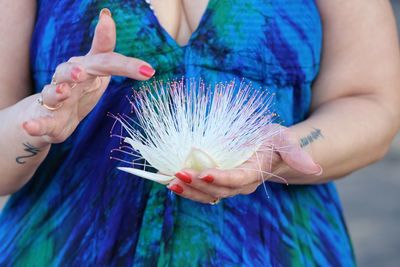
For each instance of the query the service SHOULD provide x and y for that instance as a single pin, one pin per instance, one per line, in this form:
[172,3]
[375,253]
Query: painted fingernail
[146,71]
[59,89]
[184,177]
[176,188]
[105,11]
[208,179]
[75,73]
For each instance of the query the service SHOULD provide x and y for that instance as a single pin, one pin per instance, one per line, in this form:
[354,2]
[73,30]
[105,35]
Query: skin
[28,128]
[358,82]
[355,112]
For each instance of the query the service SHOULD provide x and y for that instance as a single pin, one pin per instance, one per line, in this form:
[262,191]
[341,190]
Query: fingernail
[176,188]
[25,124]
[75,73]
[183,176]
[208,179]
[105,11]
[146,71]
[321,171]
[59,89]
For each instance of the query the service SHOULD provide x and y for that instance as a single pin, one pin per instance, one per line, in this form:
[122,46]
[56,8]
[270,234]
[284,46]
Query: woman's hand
[281,160]
[79,83]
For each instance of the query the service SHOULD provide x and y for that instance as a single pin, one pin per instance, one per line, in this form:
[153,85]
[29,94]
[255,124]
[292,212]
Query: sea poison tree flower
[186,124]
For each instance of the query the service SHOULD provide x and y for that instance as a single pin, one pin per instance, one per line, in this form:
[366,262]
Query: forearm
[27,128]
[351,132]
[20,153]
[356,95]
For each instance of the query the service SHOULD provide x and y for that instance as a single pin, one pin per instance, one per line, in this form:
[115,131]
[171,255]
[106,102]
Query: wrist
[295,147]
[307,136]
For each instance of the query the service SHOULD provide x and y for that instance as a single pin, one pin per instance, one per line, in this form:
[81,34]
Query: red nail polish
[184,177]
[208,179]
[75,73]
[176,188]
[146,71]
[59,89]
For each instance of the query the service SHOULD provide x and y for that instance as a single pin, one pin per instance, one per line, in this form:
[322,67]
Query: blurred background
[371,203]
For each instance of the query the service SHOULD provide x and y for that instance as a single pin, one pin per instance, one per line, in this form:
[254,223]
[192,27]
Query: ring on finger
[215,202]
[40,101]
[97,87]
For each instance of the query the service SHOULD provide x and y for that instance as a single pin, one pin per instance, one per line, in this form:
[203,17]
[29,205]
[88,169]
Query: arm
[355,108]
[357,93]
[27,128]
[16,22]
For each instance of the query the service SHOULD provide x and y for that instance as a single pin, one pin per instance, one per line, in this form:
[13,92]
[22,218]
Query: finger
[233,178]
[258,168]
[249,189]
[295,157]
[40,126]
[105,34]
[205,185]
[74,74]
[301,161]
[186,191]
[71,72]
[53,95]
[107,64]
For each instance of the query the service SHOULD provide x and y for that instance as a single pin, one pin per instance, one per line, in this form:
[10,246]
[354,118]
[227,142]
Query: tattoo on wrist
[311,137]
[32,150]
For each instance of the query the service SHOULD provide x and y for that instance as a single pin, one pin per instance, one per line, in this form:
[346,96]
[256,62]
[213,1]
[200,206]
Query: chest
[275,42]
[179,18]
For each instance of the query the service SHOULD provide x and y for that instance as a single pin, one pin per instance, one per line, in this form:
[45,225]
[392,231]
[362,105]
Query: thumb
[105,34]
[295,157]
[299,160]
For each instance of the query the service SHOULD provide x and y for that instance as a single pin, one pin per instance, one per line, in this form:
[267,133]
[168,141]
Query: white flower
[186,124]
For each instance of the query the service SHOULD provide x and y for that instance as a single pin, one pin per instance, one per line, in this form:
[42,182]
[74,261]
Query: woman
[74,208]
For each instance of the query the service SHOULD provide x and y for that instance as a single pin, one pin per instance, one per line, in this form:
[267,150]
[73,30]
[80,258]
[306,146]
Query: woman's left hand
[278,160]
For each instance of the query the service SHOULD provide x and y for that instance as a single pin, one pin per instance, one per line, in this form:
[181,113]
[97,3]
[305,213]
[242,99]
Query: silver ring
[40,101]
[215,202]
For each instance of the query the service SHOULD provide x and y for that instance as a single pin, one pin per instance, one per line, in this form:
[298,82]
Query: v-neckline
[171,40]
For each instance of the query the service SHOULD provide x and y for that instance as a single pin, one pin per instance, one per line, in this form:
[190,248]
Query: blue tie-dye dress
[79,210]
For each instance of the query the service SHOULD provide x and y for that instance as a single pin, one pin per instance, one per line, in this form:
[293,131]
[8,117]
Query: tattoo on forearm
[33,151]
[314,135]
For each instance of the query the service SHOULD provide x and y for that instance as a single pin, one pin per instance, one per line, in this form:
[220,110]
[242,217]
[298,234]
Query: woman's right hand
[78,85]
